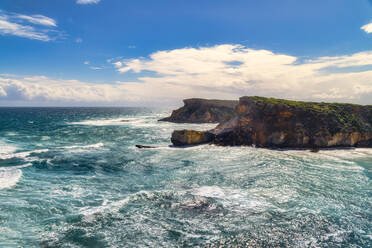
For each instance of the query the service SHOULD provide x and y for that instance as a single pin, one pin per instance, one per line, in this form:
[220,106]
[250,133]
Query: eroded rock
[191,137]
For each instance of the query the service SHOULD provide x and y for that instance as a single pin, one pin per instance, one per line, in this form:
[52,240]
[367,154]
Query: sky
[156,53]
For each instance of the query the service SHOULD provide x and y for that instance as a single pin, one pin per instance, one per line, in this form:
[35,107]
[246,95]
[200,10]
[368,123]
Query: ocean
[72,177]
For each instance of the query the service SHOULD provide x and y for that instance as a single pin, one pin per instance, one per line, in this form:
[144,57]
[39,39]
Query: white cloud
[87,1]
[118,64]
[209,72]
[367,28]
[93,67]
[36,27]
[223,71]
[2,92]
[96,68]
[44,89]
[79,40]
[9,28]
[38,19]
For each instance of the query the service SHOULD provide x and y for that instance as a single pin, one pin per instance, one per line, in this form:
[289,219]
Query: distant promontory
[196,110]
[275,123]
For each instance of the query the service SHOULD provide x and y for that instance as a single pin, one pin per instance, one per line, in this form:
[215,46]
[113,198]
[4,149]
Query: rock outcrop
[191,137]
[197,110]
[145,147]
[277,123]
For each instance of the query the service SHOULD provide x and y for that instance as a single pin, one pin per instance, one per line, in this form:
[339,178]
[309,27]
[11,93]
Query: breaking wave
[10,176]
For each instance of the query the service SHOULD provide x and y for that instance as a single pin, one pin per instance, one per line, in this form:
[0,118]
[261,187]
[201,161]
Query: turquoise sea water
[71,177]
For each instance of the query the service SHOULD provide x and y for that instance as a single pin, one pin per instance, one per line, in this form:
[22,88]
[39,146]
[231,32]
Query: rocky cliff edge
[279,123]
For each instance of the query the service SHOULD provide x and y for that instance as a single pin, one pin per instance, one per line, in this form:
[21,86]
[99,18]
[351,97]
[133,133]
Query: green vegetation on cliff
[270,122]
[351,116]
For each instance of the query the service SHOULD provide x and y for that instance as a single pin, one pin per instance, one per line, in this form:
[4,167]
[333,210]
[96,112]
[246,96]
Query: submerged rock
[197,110]
[269,122]
[191,137]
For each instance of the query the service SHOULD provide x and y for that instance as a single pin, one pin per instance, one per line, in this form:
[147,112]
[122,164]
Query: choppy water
[73,178]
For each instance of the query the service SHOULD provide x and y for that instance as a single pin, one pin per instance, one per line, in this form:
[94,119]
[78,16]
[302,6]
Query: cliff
[197,110]
[277,123]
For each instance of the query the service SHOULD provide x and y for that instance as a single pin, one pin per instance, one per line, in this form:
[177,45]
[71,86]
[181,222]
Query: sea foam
[10,176]
[6,150]
[92,146]
[106,122]
[9,151]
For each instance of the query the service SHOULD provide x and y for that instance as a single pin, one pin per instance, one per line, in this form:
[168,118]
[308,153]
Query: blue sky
[115,52]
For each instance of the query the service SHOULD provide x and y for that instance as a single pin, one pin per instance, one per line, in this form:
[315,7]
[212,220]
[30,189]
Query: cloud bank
[223,71]
[229,71]
[42,89]
[35,27]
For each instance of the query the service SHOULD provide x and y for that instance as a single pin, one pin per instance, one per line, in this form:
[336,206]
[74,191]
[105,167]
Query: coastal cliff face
[197,110]
[276,123]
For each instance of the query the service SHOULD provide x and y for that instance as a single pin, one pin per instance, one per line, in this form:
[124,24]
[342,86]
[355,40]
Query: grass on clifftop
[317,106]
[349,115]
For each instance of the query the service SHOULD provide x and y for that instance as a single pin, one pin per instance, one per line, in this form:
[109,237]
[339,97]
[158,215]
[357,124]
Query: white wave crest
[11,134]
[10,176]
[113,206]
[23,155]
[106,122]
[6,150]
[144,121]
[235,199]
[79,148]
